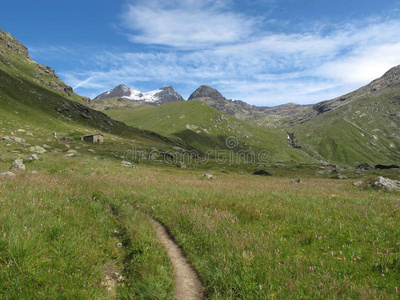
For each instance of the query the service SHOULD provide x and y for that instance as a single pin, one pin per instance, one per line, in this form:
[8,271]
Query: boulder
[69,155]
[387,184]
[18,165]
[358,183]
[209,176]
[37,149]
[365,166]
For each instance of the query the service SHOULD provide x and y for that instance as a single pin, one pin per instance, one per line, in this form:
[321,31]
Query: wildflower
[261,287]
[10,263]
[26,228]
[396,289]
[4,234]
[41,226]
[119,245]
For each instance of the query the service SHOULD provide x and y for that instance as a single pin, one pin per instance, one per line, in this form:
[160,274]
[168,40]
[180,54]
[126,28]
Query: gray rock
[18,140]
[365,166]
[7,174]
[6,138]
[69,155]
[296,181]
[387,184]
[209,176]
[18,165]
[358,183]
[126,164]
[72,151]
[37,149]
[34,172]
[13,139]
[342,177]
[34,157]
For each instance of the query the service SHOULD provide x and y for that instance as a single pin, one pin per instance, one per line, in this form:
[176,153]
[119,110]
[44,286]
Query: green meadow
[81,228]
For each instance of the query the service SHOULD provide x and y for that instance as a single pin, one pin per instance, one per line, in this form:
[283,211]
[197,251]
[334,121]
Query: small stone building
[94,138]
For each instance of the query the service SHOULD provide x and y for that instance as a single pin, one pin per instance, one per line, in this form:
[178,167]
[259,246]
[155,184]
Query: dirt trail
[187,282]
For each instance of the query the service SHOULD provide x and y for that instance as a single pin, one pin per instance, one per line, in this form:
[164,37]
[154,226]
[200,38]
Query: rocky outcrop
[9,42]
[46,75]
[390,79]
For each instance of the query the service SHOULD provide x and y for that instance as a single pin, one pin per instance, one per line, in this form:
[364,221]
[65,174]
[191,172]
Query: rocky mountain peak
[205,91]
[9,42]
[156,97]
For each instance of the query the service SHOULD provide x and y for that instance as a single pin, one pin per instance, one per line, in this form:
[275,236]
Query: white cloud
[185,24]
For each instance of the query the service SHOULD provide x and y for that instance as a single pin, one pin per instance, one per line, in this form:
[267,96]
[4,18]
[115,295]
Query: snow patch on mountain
[149,97]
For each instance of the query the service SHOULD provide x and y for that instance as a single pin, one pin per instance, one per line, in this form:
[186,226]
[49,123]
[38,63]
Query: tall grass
[249,237]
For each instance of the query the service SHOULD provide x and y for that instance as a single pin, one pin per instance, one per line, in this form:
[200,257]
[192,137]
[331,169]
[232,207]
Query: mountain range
[236,108]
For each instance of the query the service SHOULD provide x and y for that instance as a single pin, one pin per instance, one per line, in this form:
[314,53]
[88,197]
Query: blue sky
[263,52]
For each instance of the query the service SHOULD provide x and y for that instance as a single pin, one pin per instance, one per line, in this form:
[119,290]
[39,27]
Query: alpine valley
[146,195]
[361,126]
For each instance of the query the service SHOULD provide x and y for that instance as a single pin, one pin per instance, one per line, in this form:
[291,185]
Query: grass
[249,237]
[61,238]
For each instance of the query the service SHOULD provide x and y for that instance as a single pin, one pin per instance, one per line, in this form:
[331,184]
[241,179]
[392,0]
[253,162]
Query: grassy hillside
[30,104]
[205,128]
[363,130]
